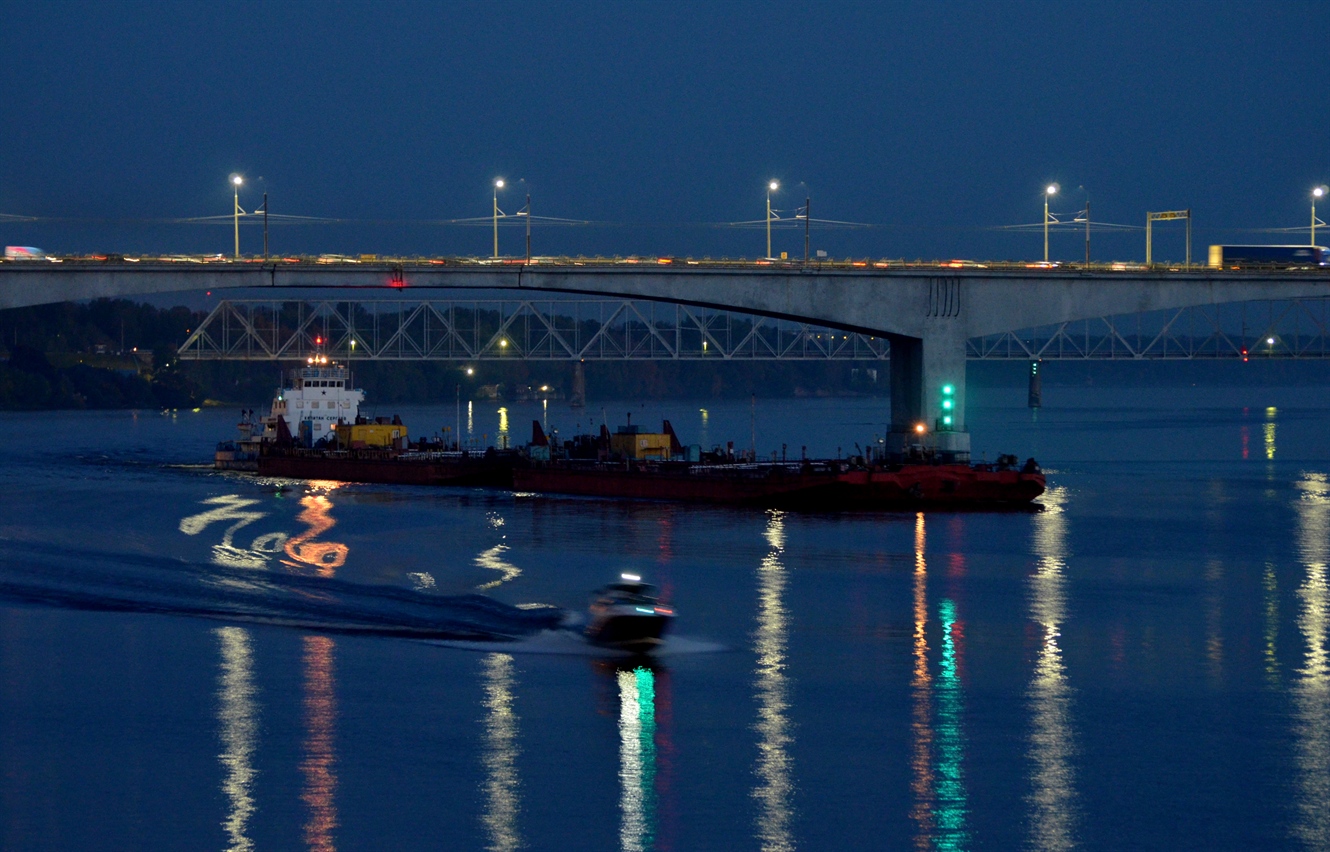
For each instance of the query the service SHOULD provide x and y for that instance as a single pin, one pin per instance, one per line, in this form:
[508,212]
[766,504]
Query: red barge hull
[387,469]
[943,485]
[766,487]
[956,486]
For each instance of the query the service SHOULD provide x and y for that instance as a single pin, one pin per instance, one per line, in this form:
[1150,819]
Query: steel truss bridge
[619,330]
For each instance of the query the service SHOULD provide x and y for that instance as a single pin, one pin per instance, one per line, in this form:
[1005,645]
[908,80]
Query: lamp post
[1318,192]
[236,180]
[498,185]
[771,187]
[1049,191]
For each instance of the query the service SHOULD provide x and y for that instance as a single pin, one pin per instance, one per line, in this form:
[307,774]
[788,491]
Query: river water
[195,660]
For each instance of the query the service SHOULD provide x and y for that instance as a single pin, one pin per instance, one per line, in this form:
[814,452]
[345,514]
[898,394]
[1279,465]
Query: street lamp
[1049,191]
[1318,192]
[236,180]
[498,185]
[771,187]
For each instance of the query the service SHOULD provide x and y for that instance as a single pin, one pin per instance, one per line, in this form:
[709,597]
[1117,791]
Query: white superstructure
[319,396]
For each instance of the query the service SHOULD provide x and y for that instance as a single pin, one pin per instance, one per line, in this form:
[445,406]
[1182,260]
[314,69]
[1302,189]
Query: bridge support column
[927,388]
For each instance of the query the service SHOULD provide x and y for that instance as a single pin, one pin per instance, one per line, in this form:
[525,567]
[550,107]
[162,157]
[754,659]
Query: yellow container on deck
[641,445]
[371,435]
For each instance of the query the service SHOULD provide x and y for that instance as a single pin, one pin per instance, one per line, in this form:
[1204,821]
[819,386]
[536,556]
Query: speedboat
[628,616]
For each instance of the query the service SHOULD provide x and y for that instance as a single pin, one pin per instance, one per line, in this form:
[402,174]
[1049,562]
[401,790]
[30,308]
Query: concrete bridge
[927,312]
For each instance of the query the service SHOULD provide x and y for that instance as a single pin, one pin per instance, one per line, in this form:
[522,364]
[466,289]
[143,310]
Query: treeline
[109,353]
[115,353]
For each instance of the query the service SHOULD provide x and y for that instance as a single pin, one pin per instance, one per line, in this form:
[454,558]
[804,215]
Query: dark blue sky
[934,121]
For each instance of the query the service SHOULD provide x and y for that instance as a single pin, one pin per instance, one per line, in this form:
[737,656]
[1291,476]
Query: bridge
[928,313]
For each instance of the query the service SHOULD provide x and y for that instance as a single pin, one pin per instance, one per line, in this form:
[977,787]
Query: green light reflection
[951,800]
[637,759]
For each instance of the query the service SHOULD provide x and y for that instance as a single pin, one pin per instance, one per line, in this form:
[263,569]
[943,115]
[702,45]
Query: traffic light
[945,422]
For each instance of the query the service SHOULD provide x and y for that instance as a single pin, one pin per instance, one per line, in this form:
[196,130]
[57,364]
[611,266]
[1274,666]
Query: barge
[333,441]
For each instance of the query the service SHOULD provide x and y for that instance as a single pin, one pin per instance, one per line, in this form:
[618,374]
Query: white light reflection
[921,689]
[236,509]
[1270,585]
[1269,432]
[494,561]
[1311,690]
[502,792]
[637,759]
[501,440]
[1052,740]
[238,714]
[775,768]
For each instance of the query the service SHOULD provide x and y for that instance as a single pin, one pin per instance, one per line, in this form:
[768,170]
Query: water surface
[198,660]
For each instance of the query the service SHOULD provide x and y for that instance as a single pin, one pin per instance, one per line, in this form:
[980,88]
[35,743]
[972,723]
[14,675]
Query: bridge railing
[574,262]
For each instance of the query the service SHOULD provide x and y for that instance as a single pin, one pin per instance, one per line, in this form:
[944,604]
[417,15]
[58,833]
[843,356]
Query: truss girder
[1282,329]
[493,330]
[630,330]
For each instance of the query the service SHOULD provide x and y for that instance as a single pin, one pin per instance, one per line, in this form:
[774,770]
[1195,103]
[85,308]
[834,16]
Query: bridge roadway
[927,312]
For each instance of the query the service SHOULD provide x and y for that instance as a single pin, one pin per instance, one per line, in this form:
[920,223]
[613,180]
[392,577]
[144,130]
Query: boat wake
[83,579]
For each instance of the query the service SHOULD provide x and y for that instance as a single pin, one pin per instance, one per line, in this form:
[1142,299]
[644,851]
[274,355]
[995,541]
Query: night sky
[936,123]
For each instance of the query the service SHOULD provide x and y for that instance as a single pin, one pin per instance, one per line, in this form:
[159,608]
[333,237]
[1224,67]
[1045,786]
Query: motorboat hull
[638,633]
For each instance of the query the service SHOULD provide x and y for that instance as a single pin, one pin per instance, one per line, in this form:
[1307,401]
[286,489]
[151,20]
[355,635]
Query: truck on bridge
[1284,257]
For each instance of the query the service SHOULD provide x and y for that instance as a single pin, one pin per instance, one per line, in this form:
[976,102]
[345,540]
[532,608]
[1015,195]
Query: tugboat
[628,616]
[319,397]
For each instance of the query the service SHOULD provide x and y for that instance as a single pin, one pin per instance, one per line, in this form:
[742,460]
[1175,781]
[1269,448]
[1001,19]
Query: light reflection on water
[1311,690]
[939,807]
[237,713]
[501,785]
[319,761]
[1052,742]
[1270,587]
[319,752]
[325,557]
[921,689]
[775,768]
[492,559]
[952,809]
[233,507]
[637,758]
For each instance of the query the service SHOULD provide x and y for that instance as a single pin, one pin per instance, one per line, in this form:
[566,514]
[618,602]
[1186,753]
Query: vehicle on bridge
[1282,257]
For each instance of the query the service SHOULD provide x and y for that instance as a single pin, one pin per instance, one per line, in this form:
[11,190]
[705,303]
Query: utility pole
[265,227]
[528,229]
[1087,230]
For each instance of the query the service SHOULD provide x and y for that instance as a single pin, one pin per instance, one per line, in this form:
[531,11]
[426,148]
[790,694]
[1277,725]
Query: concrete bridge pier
[928,394]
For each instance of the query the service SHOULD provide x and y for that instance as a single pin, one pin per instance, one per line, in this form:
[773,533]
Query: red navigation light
[318,341]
